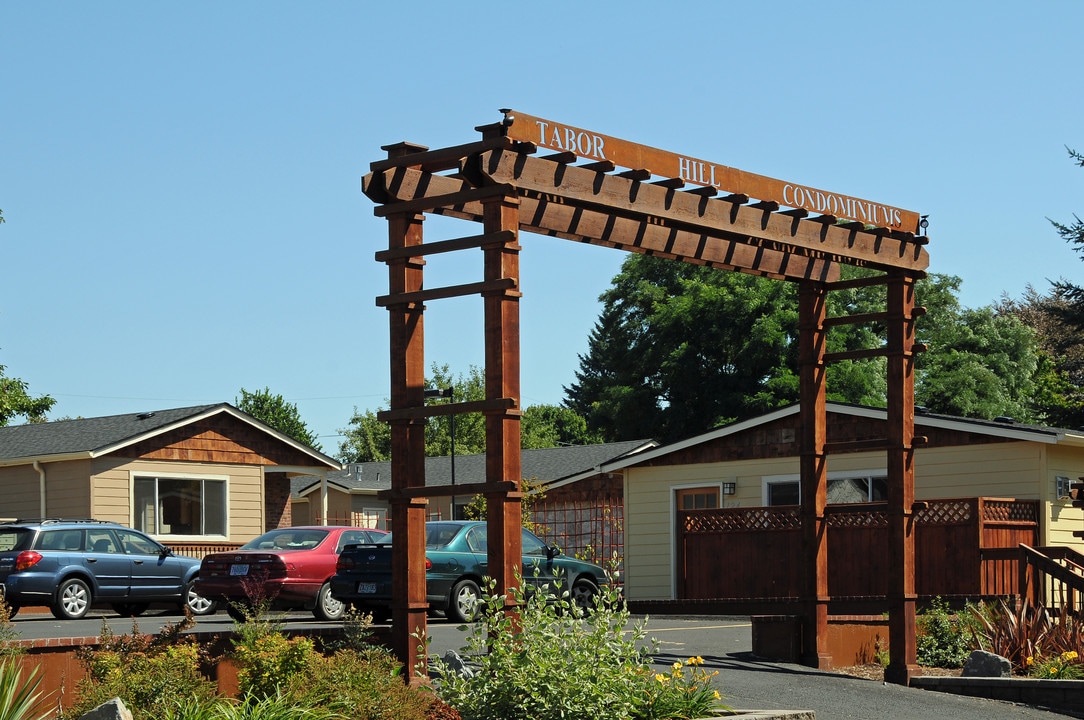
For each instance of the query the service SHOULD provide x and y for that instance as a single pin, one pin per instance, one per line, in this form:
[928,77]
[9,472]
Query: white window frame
[133,475]
[768,480]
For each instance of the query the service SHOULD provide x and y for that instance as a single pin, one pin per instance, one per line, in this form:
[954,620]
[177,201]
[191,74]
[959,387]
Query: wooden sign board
[598,147]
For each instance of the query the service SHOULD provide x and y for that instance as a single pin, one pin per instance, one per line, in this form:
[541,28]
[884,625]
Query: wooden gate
[964,548]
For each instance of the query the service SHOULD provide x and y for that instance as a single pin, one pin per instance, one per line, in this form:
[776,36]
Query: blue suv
[71,565]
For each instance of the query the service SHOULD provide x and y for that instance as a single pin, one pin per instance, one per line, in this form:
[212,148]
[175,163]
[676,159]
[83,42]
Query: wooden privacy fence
[965,547]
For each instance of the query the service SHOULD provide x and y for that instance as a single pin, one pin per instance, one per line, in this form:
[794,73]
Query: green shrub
[18,695]
[148,672]
[360,684]
[943,641]
[549,660]
[276,707]
[9,634]
[266,662]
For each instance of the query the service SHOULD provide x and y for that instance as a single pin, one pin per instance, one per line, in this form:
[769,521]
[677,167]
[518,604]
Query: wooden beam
[615,195]
[435,160]
[428,203]
[855,319]
[494,405]
[429,491]
[548,214]
[443,246]
[421,296]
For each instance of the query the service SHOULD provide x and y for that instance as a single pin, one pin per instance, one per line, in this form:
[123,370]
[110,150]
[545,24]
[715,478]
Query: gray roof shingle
[544,464]
[88,435]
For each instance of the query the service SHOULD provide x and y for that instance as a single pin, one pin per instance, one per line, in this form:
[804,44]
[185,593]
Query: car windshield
[286,539]
[15,539]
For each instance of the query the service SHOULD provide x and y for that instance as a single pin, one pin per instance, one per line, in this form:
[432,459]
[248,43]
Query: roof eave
[209,412]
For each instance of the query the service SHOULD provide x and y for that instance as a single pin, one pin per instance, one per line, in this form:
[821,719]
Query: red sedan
[285,569]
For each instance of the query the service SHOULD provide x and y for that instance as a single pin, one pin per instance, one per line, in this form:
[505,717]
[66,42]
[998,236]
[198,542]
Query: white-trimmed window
[179,504]
[843,487]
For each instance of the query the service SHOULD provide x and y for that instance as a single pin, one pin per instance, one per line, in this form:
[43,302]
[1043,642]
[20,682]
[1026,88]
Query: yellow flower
[1053,671]
[676,666]
[1030,661]
[661,678]
[717,695]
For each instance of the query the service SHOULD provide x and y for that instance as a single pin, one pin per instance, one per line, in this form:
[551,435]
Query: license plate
[239,569]
[366,588]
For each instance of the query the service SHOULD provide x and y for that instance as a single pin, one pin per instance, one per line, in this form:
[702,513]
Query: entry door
[688,570]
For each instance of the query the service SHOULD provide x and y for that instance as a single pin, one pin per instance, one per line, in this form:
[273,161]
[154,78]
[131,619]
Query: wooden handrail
[1040,562]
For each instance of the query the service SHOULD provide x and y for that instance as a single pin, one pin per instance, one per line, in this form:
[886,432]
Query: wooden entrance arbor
[601,190]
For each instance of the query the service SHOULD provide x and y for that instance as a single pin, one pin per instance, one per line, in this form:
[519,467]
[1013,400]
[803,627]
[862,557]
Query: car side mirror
[552,551]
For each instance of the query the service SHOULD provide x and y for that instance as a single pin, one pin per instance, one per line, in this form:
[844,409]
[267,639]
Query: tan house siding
[1000,469]
[112,483]
[22,497]
[1063,519]
[67,490]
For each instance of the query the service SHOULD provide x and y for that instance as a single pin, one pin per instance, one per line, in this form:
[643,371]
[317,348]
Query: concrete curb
[1064,696]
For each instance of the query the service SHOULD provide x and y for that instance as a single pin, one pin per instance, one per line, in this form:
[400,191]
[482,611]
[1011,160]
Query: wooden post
[812,303]
[902,644]
[407,446]
[503,460]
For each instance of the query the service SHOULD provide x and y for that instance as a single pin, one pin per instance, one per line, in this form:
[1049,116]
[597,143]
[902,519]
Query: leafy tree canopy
[273,410]
[16,401]
[680,348]
[368,439]
[1072,295]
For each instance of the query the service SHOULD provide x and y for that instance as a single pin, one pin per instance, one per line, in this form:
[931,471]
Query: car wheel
[466,598]
[130,609]
[198,604]
[327,607]
[72,600]
[583,594]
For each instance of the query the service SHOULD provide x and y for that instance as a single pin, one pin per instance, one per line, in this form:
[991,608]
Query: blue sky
[181,181]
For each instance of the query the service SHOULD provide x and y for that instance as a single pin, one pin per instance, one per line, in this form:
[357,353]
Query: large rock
[112,710]
[986,664]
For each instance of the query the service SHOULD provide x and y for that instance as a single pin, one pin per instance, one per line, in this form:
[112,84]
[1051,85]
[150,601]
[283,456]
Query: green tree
[273,410]
[1058,397]
[16,402]
[981,365]
[547,426]
[368,439]
[365,438]
[1072,312]
[679,349]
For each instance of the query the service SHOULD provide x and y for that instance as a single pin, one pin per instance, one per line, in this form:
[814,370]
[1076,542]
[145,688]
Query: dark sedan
[287,568]
[456,560]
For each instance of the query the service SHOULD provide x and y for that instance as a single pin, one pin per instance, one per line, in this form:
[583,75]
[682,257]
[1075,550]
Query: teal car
[456,560]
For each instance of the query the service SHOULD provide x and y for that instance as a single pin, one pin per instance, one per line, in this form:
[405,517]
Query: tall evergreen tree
[679,349]
[1072,311]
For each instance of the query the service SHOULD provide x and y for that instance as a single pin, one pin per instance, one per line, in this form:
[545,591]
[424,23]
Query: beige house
[755,463]
[203,475]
